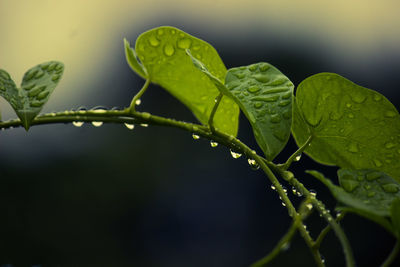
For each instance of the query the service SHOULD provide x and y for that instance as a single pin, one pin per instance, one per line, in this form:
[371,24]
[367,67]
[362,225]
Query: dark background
[156,197]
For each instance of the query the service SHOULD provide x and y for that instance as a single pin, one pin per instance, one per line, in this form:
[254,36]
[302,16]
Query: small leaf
[352,126]
[37,85]
[131,58]
[367,192]
[395,215]
[264,95]
[162,52]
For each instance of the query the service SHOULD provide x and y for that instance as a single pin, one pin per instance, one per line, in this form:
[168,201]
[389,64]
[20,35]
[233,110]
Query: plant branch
[287,164]
[392,256]
[213,111]
[326,230]
[132,107]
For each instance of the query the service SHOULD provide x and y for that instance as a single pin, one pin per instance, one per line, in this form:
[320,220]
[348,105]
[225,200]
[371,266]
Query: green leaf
[353,127]
[366,192]
[37,85]
[264,95]
[395,215]
[162,52]
[131,58]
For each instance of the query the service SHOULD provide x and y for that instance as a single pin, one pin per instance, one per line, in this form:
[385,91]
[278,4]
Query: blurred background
[154,196]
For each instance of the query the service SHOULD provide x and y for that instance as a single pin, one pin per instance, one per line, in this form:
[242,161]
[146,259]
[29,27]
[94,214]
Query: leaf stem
[132,106]
[213,111]
[287,164]
[392,256]
[284,241]
[326,230]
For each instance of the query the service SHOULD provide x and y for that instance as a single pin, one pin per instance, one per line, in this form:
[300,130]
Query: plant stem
[215,107]
[287,164]
[132,107]
[326,230]
[392,256]
[328,217]
[284,241]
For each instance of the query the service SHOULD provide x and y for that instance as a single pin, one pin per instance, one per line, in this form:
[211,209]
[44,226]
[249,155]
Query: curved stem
[326,230]
[284,241]
[213,111]
[132,107]
[392,256]
[287,164]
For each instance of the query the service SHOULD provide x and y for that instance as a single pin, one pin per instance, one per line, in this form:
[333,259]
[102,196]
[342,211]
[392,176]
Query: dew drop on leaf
[377,163]
[169,50]
[390,188]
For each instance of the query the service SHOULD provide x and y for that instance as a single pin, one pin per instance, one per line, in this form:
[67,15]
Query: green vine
[323,118]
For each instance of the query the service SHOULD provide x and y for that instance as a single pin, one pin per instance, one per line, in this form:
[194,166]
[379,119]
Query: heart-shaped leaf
[367,192]
[37,85]
[162,52]
[352,126]
[264,95]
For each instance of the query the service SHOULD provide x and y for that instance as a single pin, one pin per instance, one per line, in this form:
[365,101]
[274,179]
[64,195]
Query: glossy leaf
[264,95]
[162,52]
[353,127]
[131,58]
[37,85]
[367,192]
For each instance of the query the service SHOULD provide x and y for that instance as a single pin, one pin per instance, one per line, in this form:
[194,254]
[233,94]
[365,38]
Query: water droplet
[184,43]
[273,187]
[390,114]
[195,137]
[377,97]
[309,206]
[349,185]
[258,105]
[97,123]
[285,246]
[313,193]
[322,259]
[253,67]
[348,105]
[169,50]
[390,188]
[372,176]
[283,204]
[261,78]
[154,41]
[213,144]
[138,102]
[144,125]
[390,145]
[377,163]
[129,126]
[77,123]
[284,189]
[253,89]
[235,155]
[284,103]
[353,147]
[276,118]
[253,164]
[298,157]
[99,110]
[359,98]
